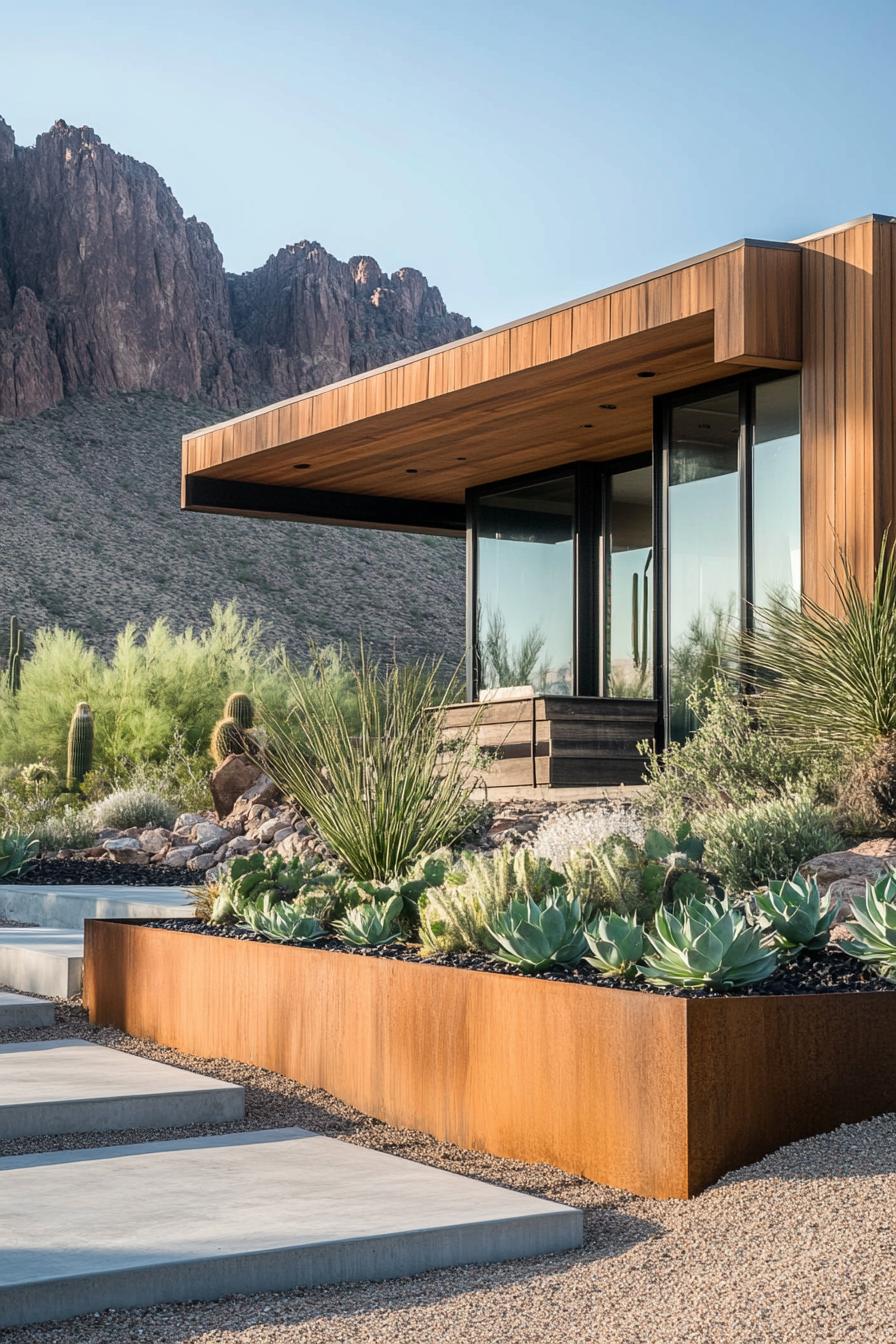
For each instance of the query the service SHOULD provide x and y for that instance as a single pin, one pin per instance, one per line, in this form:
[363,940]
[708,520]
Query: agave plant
[706,942]
[373,924]
[617,945]
[794,915]
[873,926]
[16,852]
[282,921]
[250,880]
[536,936]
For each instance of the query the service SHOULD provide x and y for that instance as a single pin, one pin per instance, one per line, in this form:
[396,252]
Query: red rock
[230,779]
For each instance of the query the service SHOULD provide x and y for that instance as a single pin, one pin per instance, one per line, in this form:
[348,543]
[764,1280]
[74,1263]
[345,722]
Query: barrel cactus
[80,745]
[228,739]
[240,708]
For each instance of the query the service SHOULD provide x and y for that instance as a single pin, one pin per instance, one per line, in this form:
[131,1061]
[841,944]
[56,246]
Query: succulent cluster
[706,942]
[794,915]
[458,913]
[872,928]
[16,852]
[536,935]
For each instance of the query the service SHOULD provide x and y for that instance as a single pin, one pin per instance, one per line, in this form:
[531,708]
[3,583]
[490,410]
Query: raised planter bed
[654,1094]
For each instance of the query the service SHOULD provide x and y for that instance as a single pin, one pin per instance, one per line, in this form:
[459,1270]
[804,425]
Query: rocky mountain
[119,331]
[106,287]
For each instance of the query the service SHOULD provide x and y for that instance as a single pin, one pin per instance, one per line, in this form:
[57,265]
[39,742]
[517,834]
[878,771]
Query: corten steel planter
[655,1095]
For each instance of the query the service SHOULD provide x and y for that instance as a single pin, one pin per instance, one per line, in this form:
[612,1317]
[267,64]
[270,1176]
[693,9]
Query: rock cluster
[105,286]
[258,820]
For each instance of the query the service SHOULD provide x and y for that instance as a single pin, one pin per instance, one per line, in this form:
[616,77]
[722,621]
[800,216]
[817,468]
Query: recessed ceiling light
[608,406]
[460,459]
[589,426]
[301,466]
[411,471]
[704,425]
[646,373]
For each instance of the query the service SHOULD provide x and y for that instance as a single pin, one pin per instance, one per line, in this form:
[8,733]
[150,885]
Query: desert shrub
[765,839]
[732,758]
[563,832]
[829,678]
[132,807]
[375,779]
[72,828]
[621,876]
[151,687]
[180,776]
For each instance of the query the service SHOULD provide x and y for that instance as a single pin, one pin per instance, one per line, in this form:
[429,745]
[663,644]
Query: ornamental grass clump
[794,916]
[706,943]
[616,943]
[872,928]
[382,788]
[535,936]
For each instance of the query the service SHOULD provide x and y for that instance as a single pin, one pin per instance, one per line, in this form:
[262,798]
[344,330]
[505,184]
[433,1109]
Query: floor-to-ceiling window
[628,587]
[732,514]
[524,588]
[703,520]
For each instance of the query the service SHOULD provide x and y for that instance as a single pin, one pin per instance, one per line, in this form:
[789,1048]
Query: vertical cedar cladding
[849,475]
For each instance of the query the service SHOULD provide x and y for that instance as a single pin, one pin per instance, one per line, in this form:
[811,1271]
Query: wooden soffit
[398,446]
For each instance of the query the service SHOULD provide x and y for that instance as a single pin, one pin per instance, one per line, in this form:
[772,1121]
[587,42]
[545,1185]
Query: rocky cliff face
[106,287]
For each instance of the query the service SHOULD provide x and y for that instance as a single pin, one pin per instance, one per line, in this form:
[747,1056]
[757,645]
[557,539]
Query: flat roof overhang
[397,447]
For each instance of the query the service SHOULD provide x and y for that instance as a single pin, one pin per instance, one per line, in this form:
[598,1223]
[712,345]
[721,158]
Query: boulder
[200,863]
[180,857]
[229,780]
[209,836]
[126,849]
[291,846]
[844,872]
[155,839]
[187,820]
[240,844]
[267,831]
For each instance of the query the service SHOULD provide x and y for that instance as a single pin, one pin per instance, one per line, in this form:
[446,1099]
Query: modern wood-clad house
[632,471]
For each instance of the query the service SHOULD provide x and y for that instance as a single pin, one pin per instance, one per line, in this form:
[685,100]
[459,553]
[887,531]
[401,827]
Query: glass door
[628,583]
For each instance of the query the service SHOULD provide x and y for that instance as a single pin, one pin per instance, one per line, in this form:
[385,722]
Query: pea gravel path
[798,1249]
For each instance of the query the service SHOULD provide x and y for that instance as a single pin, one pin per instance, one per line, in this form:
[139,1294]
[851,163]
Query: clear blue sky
[518,153]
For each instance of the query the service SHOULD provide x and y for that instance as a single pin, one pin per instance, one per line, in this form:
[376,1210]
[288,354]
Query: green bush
[132,807]
[732,758]
[151,687]
[72,828]
[388,793]
[761,840]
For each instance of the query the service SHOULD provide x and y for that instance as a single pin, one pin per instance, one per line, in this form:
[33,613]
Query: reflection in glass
[704,546]
[776,492]
[628,612]
[525,588]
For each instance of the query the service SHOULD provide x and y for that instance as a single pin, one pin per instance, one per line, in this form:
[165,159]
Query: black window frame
[745,385]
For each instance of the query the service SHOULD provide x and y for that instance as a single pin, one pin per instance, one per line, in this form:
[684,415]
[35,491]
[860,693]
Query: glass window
[703,545]
[628,583]
[776,492]
[524,615]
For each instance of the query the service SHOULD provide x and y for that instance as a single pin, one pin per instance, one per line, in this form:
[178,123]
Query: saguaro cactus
[14,662]
[239,707]
[80,744]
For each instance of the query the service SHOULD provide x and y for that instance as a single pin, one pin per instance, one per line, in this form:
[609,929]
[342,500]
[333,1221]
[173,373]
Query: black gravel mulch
[828,972]
[103,873]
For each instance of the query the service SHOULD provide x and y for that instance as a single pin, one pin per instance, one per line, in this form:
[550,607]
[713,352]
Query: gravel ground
[49,872]
[797,1249]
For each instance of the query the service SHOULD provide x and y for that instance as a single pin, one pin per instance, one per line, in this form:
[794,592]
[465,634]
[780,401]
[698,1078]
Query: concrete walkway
[42,961]
[246,1213]
[73,1087]
[18,1011]
[67,907]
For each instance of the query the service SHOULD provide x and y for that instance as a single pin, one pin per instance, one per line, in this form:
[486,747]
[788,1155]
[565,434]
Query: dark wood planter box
[655,1095]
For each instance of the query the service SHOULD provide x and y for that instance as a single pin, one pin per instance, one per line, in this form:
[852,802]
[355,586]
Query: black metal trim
[213,494]
[586,581]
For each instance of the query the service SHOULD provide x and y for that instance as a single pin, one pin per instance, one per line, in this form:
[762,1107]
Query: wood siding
[557,742]
[848,382]
[526,396]
[656,1095]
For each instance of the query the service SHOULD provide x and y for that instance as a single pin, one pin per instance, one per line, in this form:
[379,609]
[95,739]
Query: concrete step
[243,1213]
[73,1087]
[42,961]
[67,907]
[19,1010]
